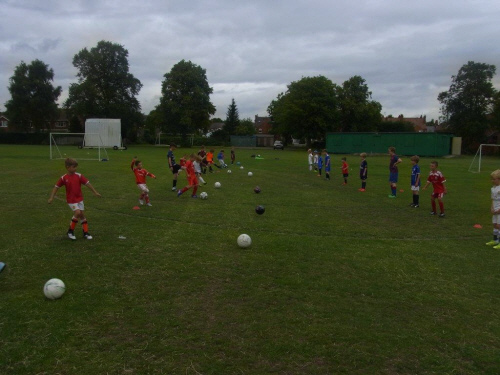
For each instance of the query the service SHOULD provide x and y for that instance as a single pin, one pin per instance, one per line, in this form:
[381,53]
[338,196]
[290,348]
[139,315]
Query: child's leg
[496,232]
[327,174]
[433,203]
[195,189]
[363,184]
[441,205]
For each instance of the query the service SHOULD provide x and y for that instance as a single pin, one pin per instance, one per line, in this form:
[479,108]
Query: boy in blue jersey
[320,164]
[363,171]
[327,164]
[415,180]
[174,167]
[393,170]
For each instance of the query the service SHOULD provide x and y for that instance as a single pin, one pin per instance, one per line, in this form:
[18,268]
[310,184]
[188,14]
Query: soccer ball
[244,241]
[229,171]
[256,189]
[260,210]
[241,167]
[237,163]
[250,174]
[54,289]
[217,185]
[203,195]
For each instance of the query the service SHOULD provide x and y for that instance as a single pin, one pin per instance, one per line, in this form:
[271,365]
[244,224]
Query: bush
[24,138]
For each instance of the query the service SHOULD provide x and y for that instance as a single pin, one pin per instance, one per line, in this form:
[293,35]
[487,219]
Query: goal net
[80,146]
[475,166]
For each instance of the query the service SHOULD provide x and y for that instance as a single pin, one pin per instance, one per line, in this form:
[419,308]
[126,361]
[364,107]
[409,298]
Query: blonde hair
[415,158]
[70,162]
[495,174]
[363,155]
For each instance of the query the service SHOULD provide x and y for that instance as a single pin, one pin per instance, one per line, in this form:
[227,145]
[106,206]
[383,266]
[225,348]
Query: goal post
[475,166]
[77,146]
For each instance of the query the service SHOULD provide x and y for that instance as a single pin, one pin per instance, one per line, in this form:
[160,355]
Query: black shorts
[176,168]
[345,175]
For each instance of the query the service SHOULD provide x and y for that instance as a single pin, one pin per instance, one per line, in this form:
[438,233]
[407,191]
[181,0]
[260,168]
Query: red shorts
[435,195]
[192,180]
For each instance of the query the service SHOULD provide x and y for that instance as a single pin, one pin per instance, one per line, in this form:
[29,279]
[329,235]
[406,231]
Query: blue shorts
[393,177]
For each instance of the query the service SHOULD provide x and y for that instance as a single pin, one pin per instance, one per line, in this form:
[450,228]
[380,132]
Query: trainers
[492,243]
[432,213]
[141,202]
[174,188]
[416,206]
[497,247]
[87,235]
[194,196]
[361,189]
[441,214]
[149,204]
[391,196]
[179,193]
[412,205]
[71,235]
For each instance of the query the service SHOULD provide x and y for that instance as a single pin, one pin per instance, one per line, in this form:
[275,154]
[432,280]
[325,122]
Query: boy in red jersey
[345,170]
[191,176]
[73,181]
[437,180]
[140,180]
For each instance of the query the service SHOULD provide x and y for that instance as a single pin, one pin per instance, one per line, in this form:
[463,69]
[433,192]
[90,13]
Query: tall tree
[232,119]
[185,101]
[33,96]
[245,127]
[105,88]
[308,109]
[467,103]
[358,112]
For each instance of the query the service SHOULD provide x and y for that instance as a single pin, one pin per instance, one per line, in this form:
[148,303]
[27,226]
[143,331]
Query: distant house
[61,124]
[4,123]
[419,123]
[215,126]
[262,124]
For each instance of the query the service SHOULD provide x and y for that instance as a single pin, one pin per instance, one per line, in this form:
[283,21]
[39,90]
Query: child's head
[363,155]
[309,150]
[324,151]
[495,177]
[198,158]
[344,158]
[192,157]
[138,163]
[212,150]
[70,164]
[202,147]
[173,146]
[392,150]
[222,151]
[415,159]
[434,165]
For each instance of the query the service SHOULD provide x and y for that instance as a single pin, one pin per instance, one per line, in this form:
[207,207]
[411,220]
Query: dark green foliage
[33,97]
[232,119]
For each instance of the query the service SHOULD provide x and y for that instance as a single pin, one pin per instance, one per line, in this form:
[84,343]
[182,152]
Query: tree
[185,101]
[307,110]
[467,103]
[358,113]
[232,119]
[105,88]
[33,97]
[246,127]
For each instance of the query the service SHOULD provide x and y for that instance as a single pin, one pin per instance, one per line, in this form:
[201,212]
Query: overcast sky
[251,50]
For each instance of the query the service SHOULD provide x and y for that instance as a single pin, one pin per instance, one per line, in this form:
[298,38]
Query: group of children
[435,178]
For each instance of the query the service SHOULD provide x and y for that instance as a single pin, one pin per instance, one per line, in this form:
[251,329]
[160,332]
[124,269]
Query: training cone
[136,208]
[478,226]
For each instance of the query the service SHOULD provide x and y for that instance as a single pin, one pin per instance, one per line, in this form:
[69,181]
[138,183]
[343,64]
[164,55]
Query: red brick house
[262,124]
[4,123]
[419,123]
[60,125]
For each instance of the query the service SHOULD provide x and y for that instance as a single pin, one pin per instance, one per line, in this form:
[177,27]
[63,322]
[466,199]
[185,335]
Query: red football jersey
[73,183]
[345,167]
[437,180]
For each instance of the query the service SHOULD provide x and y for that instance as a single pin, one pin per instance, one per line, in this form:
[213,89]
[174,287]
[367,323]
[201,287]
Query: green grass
[336,281]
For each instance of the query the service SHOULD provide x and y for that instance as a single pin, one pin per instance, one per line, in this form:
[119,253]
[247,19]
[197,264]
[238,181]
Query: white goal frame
[478,157]
[55,153]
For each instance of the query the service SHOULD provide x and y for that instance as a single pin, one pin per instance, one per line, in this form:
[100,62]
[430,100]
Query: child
[327,164]
[310,158]
[315,160]
[345,170]
[415,180]
[320,164]
[393,171]
[173,166]
[203,154]
[74,197]
[220,158]
[197,168]
[437,180]
[140,180]
[495,209]
[210,160]
[233,155]
[363,171]
[191,176]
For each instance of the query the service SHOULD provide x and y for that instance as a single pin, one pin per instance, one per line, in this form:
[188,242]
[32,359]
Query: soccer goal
[475,166]
[80,146]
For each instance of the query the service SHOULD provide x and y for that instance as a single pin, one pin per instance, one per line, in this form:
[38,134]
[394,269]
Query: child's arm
[426,184]
[53,194]
[151,175]
[417,180]
[89,185]
[133,162]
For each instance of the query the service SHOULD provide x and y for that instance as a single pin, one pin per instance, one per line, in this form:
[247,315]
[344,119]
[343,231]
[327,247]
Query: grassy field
[336,281]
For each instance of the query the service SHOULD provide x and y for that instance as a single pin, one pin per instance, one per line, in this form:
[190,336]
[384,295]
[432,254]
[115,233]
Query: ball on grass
[244,241]
[250,174]
[260,209]
[203,195]
[54,289]
[256,190]
[217,185]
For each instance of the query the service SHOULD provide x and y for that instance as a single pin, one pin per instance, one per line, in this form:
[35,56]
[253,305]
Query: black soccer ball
[256,189]
[260,210]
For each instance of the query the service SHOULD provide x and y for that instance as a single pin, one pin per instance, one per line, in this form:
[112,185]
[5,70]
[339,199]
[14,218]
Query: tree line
[308,109]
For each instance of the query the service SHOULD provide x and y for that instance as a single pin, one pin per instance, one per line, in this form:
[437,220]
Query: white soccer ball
[241,167]
[203,195]
[250,174]
[217,185]
[54,289]
[244,240]
[229,171]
